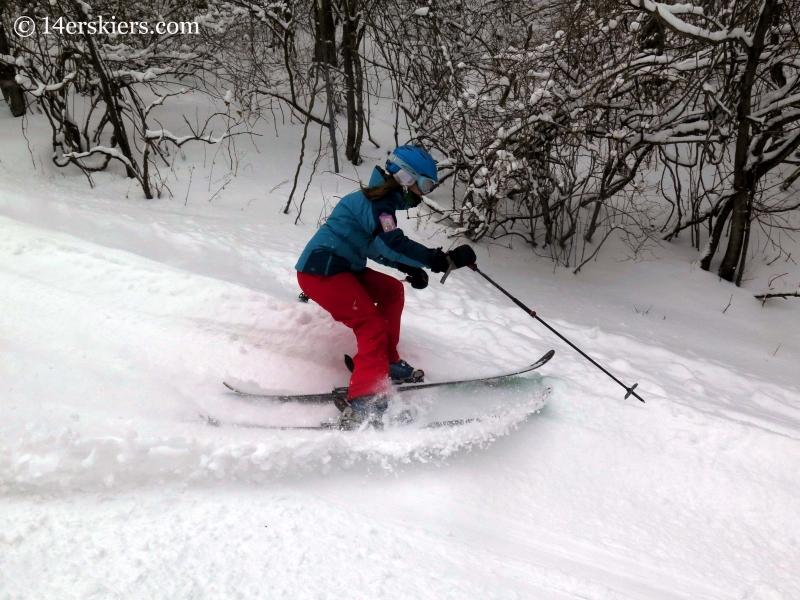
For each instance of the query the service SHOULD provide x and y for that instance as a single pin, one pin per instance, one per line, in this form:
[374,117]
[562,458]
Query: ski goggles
[407,176]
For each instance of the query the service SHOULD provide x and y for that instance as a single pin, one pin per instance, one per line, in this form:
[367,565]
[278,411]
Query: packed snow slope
[119,319]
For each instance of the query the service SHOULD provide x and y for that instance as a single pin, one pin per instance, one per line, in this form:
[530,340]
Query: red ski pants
[371,304]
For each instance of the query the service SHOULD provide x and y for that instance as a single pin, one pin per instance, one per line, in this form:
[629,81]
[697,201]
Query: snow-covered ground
[120,317]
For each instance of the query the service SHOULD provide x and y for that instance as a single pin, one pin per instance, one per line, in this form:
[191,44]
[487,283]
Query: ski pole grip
[450,266]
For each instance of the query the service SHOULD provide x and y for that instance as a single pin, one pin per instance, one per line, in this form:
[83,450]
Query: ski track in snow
[120,320]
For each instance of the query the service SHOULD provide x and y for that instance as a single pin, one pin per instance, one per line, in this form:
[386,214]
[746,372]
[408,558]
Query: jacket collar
[376,178]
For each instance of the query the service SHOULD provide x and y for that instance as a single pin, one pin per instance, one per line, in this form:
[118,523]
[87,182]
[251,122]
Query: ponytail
[376,192]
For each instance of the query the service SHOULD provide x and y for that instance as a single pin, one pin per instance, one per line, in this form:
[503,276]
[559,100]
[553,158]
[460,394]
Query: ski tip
[545,359]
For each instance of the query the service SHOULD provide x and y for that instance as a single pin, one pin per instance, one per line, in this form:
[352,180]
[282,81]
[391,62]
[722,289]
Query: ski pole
[630,390]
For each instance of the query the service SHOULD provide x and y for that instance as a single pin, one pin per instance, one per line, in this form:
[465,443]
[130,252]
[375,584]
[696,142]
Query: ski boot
[402,372]
[355,412]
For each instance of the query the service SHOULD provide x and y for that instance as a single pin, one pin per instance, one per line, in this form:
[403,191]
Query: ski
[341,392]
[209,420]
[330,426]
[320,398]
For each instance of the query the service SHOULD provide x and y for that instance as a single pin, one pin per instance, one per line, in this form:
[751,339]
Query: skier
[332,271]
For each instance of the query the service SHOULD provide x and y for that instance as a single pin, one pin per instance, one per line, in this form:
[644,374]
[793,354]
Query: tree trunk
[112,110]
[359,92]
[743,258]
[547,218]
[12,92]
[744,180]
[325,47]
[350,62]
[716,235]
[739,218]
[593,222]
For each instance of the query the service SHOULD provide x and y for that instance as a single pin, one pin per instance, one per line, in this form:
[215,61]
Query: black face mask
[410,198]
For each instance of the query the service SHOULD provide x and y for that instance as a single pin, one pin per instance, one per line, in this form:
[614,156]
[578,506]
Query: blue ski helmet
[417,163]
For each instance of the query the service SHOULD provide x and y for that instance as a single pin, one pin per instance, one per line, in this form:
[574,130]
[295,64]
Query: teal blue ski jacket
[358,229]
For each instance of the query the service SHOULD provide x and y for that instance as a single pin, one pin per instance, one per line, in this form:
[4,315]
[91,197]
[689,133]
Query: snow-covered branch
[105,150]
[667,13]
[163,134]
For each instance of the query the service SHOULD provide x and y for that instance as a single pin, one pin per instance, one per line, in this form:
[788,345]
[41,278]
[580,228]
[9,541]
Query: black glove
[462,256]
[439,263]
[417,277]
